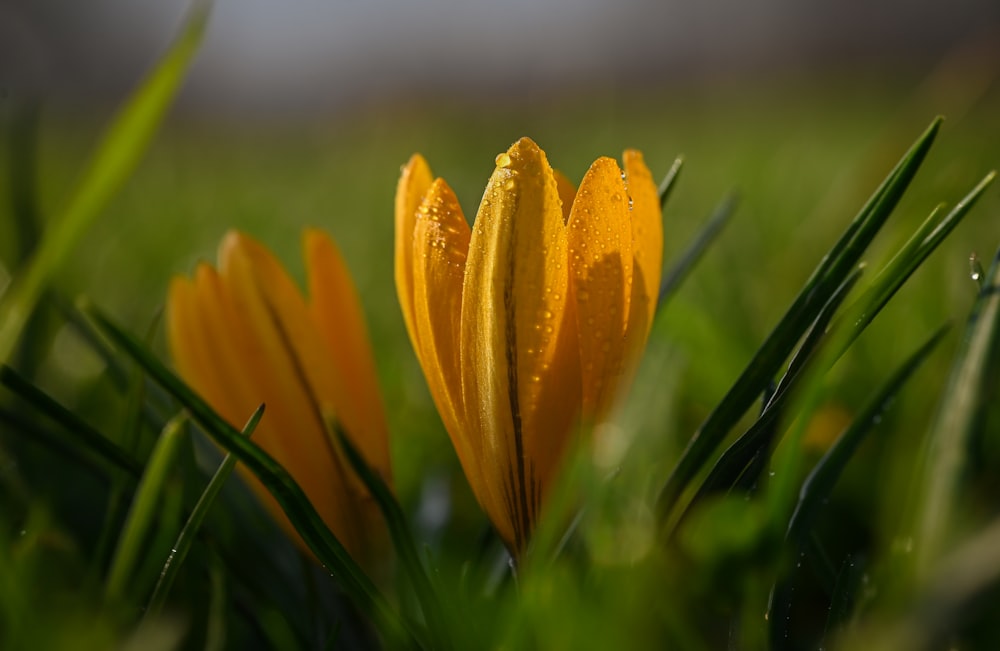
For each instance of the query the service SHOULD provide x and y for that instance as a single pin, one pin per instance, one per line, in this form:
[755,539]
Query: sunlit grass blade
[820,482]
[187,535]
[830,273]
[141,513]
[116,156]
[79,435]
[719,218]
[275,478]
[669,181]
[401,534]
[759,437]
[956,421]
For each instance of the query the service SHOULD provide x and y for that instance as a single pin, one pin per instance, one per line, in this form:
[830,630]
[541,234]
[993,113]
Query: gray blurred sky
[266,55]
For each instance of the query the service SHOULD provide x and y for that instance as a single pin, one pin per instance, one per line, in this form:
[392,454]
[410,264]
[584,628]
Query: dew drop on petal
[503,160]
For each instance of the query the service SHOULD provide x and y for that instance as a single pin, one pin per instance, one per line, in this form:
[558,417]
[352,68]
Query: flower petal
[647,243]
[440,247]
[413,184]
[336,311]
[600,244]
[294,380]
[518,347]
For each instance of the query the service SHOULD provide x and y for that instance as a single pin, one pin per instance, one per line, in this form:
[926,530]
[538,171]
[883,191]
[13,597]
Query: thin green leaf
[289,495]
[81,435]
[141,513]
[187,535]
[758,438]
[680,269]
[670,181]
[116,156]
[953,429]
[820,482]
[830,273]
[401,534]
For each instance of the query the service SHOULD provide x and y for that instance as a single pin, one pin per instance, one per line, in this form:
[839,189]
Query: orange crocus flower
[527,323]
[243,334]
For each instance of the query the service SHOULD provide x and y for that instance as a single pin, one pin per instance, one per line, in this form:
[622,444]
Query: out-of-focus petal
[296,383]
[520,363]
[413,184]
[336,311]
[600,255]
[567,193]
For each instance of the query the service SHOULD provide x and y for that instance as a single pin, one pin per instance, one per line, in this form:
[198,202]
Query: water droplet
[630,203]
[623,175]
[976,270]
[548,314]
[509,185]
[503,160]
[536,378]
[617,196]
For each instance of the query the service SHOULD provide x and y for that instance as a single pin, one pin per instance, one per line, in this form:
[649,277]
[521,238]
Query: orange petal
[336,311]
[647,243]
[413,184]
[296,381]
[567,193]
[518,347]
[440,247]
[600,243]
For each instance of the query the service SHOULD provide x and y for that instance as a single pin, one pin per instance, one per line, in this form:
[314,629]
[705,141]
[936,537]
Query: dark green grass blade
[680,269]
[830,273]
[276,479]
[759,437]
[669,181]
[957,419]
[187,535]
[402,538]
[144,505]
[116,156]
[23,170]
[820,482]
[80,435]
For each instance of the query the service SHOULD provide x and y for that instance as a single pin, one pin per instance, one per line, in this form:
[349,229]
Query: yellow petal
[440,247]
[647,242]
[298,387]
[413,184]
[336,311]
[600,244]
[518,346]
[567,192]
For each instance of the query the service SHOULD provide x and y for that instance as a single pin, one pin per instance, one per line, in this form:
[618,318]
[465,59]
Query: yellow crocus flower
[527,323]
[243,334]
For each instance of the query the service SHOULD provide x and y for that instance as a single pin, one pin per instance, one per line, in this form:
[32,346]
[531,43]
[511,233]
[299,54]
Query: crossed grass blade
[829,275]
[303,516]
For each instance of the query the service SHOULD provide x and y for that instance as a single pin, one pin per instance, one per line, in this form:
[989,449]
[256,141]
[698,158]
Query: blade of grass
[830,273]
[286,491]
[680,269]
[83,436]
[669,181]
[116,156]
[187,535]
[401,534]
[953,429]
[143,508]
[820,482]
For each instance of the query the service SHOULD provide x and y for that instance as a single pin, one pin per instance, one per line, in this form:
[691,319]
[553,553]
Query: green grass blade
[953,429]
[83,436]
[820,482]
[669,181]
[830,273]
[680,269]
[116,156]
[760,435]
[402,537]
[190,530]
[23,170]
[275,478]
[141,513]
